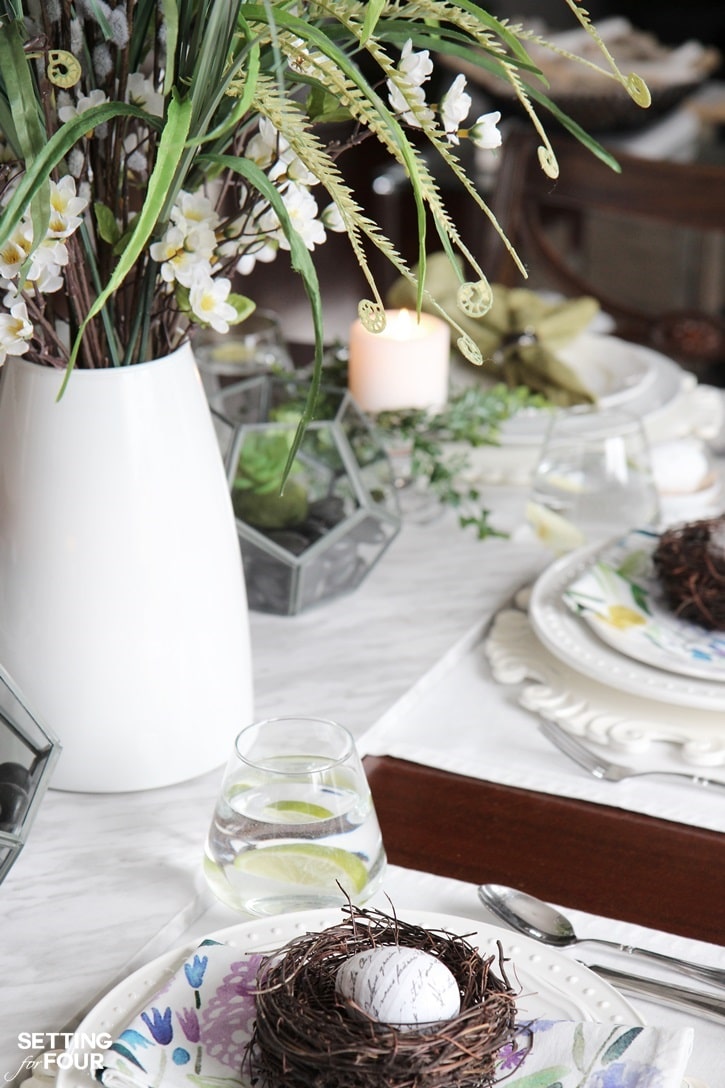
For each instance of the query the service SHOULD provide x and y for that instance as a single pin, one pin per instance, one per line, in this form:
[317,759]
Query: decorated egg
[406,988]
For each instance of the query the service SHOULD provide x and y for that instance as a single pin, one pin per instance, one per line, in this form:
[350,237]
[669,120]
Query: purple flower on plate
[510,1057]
[512,1054]
[159,1024]
[194,971]
[189,1021]
[628,1075]
[227,1019]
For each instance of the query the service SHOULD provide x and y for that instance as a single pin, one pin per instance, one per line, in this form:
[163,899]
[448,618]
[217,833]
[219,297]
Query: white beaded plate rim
[569,639]
[551,984]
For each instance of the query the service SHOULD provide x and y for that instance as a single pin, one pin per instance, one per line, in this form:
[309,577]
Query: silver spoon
[544,923]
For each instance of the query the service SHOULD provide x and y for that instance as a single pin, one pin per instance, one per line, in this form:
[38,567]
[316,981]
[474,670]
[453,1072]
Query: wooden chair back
[550,225]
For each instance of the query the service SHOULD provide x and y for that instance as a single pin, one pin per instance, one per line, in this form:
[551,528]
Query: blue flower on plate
[134,1038]
[194,971]
[159,1024]
[627,1075]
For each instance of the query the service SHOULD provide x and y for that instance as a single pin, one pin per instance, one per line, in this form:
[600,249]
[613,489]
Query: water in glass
[294,827]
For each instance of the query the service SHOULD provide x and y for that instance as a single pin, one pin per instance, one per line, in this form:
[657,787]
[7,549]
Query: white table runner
[458,719]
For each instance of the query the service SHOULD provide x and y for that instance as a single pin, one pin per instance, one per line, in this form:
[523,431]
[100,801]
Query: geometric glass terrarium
[27,756]
[323,533]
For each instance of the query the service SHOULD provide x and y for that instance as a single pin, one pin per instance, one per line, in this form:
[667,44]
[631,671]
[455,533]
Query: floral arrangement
[152,151]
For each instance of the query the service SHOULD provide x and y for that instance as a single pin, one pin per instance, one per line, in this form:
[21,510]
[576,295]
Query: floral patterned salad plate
[619,597]
[184,1020]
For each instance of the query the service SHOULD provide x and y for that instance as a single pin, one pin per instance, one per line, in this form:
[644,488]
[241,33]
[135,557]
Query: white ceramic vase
[123,612]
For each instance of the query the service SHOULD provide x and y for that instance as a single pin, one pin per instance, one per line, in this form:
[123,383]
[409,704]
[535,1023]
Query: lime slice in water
[308,864]
[290,811]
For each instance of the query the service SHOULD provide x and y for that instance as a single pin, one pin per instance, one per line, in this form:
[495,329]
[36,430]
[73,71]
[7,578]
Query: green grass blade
[55,150]
[302,263]
[170,151]
[373,11]
[28,124]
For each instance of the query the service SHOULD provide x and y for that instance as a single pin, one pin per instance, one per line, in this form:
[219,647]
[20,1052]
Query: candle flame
[404,325]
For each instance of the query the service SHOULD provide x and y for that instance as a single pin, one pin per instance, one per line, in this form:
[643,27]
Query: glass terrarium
[27,756]
[321,534]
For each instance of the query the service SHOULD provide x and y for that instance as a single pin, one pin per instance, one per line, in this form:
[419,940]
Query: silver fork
[605,769]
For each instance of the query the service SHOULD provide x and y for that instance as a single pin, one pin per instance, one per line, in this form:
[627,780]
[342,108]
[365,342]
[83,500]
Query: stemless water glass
[294,827]
[593,479]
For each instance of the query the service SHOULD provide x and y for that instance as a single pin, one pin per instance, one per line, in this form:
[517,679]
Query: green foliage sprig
[470,418]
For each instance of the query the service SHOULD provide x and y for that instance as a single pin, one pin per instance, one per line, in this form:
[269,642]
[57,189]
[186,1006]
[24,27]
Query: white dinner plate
[630,376]
[619,596]
[572,641]
[552,986]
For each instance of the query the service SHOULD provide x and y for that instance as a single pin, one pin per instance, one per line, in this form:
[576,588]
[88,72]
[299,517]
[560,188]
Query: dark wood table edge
[597,858]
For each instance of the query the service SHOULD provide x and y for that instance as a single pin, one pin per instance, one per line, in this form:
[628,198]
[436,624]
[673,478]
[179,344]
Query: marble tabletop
[108,881]
[102,875]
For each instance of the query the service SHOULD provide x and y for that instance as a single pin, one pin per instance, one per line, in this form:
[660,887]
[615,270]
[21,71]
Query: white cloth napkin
[458,719]
[195,1028]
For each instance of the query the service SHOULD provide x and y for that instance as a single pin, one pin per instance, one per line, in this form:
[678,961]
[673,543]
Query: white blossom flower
[455,106]
[265,253]
[484,133]
[271,152]
[85,102]
[414,70]
[413,97]
[45,267]
[188,247]
[266,146]
[300,173]
[302,209]
[192,209]
[141,92]
[208,301]
[16,331]
[13,254]
[166,249]
[332,218]
[188,266]
[65,208]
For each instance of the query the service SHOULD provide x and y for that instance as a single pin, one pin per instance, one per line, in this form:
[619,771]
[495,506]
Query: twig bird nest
[308,1035]
[690,564]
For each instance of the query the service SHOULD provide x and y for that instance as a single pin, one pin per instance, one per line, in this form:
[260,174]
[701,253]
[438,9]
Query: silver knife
[668,993]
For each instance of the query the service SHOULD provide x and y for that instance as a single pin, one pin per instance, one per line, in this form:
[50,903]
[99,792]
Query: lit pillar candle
[404,366]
